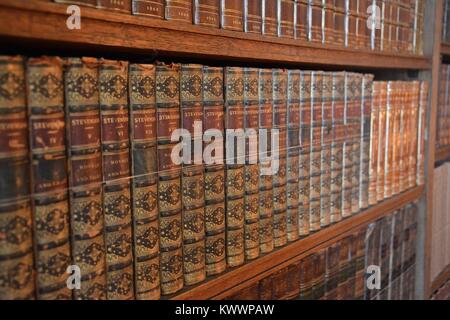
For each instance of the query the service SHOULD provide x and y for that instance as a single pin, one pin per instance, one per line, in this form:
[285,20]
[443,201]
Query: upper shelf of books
[45,23]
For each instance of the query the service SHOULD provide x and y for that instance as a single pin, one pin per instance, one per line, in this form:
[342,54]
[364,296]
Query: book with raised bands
[253,16]
[116,5]
[286,14]
[151,8]
[206,13]
[179,10]
[301,21]
[232,14]
[270,17]
[326,142]
[347,151]
[315,8]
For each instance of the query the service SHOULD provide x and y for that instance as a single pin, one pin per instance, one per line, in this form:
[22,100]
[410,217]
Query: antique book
[144,184]
[293,287]
[253,16]
[326,141]
[307,273]
[344,267]
[355,113]
[301,21]
[372,255]
[169,181]
[280,82]
[121,6]
[362,18]
[374,135]
[389,140]
[413,134]
[178,10]
[351,23]
[82,105]
[338,132]
[332,271]
[232,14]
[418,29]
[315,21]
[351,275]
[265,161]
[360,283]
[280,282]
[404,133]
[396,137]
[328,30]
[423,98]
[151,8]
[213,119]
[286,20]
[385,256]
[16,246]
[251,200]
[396,260]
[318,282]
[266,288]
[381,176]
[293,150]
[339,25]
[235,168]
[376,24]
[207,13]
[304,156]
[347,150]
[116,172]
[45,96]
[270,17]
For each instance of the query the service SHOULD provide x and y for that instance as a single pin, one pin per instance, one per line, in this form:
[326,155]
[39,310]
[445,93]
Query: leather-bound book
[318,287]
[339,22]
[85,175]
[192,181]
[344,267]
[381,180]
[16,252]
[372,253]
[389,141]
[265,162]
[304,156]
[253,16]
[360,243]
[89,3]
[280,282]
[404,132]
[413,132]
[396,263]
[280,82]
[251,123]
[347,150]
[270,17]
[286,18]
[45,96]
[332,271]
[248,293]
[374,134]
[351,23]
[235,168]
[361,23]
[315,21]
[375,31]
[293,150]
[355,113]
[121,5]
[266,288]
[293,288]
[301,21]
[338,132]
[151,8]
[144,184]
[423,99]
[385,256]
[232,14]
[179,10]
[418,26]
[169,182]
[213,118]
[384,35]
[328,30]
[396,137]
[306,277]
[351,281]
[207,13]
[316,147]
[116,172]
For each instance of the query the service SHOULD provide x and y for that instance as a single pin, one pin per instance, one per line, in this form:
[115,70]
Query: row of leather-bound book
[387,25]
[443,112]
[90,178]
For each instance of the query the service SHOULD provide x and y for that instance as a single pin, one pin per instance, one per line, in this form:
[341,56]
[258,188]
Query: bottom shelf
[235,279]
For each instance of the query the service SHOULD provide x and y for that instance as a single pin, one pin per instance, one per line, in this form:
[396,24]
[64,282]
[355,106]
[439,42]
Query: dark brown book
[396,261]
[45,96]
[121,6]
[293,288]
[344,267]
[270,17]
[356,113]
[213,118]
[306,277]
[169,182]
[326,142]
[328,31]
[16,250]
[360,244]
[372,252]
[351,281]
[332,271]
[361,24]
[144,184]
[347,166]
[423,98]
[89,3]
[286,14]
[207,13]
[301,21]
[116,172]
[315,21]
[232,14]
[318,287]
[351,23]
[266,288]
[253,16]
[385,256]
[382,151]
[339,22]
[151,8]
[374,135]
[280,282]
[85,175]
[179,10]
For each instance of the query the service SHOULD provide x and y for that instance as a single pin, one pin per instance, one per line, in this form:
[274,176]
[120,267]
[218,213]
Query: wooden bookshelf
[219,286]
[442,278]
[442,154]
[45,23]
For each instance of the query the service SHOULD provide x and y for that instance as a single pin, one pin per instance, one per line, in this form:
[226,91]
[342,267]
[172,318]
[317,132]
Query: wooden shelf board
[445,49]
[107,31]
[442,154]
[221,285]
[442,278]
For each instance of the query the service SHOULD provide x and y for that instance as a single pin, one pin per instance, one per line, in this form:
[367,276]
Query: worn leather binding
[332,271]
[338,136]
[169,182]
[16,252]
[374,135]
[417,35]
[328,30]
[366,144]
[270,17]
[232,12]
[265,162]
[85,175]
[306,277]
[89,3]
[304,156]
[193,198]
[356,114]
[206,13]
[251,200]
[423,98]
[351,12]
[403,137]
[318,282]
[344,267]
[293,151]
[280,284]
[315,21]
[116,5]
[413,134]
[179,10]
[213,118]
[266,288]
[339,22]
[389,140]
[372,253]
[361,24]
[301,21]
[280,82]
[381,177]
[293,288]
[116,171]
[151,8]
[396,264]
[142,86]
[253,16]
[360,244]
[396,156]
[45,96]
[326,141]
[286,9]
[409,251]
[385,254]
[347,151]
[235,169]
[351,282]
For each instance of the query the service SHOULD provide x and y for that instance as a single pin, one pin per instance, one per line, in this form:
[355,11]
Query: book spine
[270,17]
[301,22]
[253,16]
[293,289]
[206,13]
[279,284]
[121,6]
[316,147]
[347,159]
[45,96]
[397,241]
[413,134]
[338,131]
[374,134]
[362,31]
[151,8]
[306,277]
[318,282]
[404,137]
[293,151]
[351,282]
[213,120]
[178,10]
[339,22]
[382,151]
[232,12]
[305,156]
[169,179]
[351,23]
[144,183]
[85,175]
[389,141]
[116,171]
[328,22]
[16,252]
[315,21]
[344,265]
[360,241]
[332,271]
[372,254]
[266,161]
[396,139]
[423,99]
[266,288]
[356,114]
[251,123]
[286,14]
[235,168]
[385,256]
[280,82]
[326,141]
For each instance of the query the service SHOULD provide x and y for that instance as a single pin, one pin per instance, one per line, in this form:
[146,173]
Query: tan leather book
[253,16]
[179,10]
[207,13]
[374,135]
[270,17]
[286,18]
[121,5]
[232,14]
